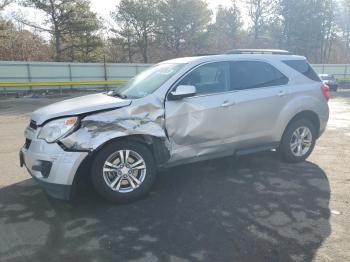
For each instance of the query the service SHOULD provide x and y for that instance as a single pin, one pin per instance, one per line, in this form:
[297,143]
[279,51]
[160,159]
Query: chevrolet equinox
[178,111]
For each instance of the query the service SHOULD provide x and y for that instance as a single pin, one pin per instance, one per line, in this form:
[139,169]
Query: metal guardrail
[29,76]
[340,71]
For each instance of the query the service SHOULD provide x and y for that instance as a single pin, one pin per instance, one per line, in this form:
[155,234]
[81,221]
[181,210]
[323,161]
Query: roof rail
[204,54]
[259,51]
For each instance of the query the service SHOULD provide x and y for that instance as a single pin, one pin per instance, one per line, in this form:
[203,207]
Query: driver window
[209,78]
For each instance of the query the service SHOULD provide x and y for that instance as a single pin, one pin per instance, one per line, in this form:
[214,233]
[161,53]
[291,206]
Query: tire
[113,182]
[289,139]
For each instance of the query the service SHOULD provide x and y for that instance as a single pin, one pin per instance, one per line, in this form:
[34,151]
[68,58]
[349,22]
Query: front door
[201,126]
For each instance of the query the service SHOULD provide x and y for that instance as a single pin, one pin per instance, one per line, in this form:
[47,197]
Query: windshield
[147,81]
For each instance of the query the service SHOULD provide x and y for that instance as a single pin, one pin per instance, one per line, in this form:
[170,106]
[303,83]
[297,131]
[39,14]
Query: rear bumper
[52,167]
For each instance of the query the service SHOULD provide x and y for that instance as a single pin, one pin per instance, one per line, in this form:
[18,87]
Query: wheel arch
[305,114]
[157,146]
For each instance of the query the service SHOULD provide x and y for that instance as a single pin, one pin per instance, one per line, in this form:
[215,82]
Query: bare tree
[259,11]
[181,24]
[225,32]
[17,43]
[137,19]
[124,39]
[65,19]
[344,24]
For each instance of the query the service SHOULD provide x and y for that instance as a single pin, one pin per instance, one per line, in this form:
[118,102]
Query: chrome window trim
[225,92]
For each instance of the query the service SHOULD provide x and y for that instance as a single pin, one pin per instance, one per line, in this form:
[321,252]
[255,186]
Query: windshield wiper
[120,95]
[115,93]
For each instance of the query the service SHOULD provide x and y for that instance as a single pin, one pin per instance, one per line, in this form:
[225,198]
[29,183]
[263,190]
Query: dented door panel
[200,126]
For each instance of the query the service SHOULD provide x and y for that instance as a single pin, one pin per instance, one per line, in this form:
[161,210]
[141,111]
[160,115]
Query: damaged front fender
[142,117]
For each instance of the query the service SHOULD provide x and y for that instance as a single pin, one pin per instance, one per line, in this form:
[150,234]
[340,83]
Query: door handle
[281,93]
[227,103]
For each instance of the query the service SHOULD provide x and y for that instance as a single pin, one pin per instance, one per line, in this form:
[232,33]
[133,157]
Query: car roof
[259,51]
[209,58]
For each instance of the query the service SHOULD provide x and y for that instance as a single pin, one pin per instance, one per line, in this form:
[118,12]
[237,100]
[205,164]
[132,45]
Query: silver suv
[178,111]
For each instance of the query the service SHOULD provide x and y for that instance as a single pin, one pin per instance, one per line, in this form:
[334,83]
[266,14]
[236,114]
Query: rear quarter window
[303,67]
[255,74]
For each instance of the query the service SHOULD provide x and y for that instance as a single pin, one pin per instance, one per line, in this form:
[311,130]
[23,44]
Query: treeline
[153,30]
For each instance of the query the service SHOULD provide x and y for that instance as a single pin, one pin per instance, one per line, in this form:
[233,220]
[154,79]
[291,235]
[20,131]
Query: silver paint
[78,105]
[142,117]
[198,127]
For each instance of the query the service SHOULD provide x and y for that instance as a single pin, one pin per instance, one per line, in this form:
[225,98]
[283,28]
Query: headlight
[57,129]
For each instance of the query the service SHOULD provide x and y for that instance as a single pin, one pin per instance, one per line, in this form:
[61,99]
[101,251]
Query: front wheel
[123,171]
[298,141]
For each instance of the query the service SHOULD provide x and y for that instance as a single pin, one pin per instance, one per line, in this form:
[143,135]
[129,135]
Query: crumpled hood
[145,116]
[78,105]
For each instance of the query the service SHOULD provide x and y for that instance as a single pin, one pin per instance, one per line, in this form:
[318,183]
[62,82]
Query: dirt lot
[251,208]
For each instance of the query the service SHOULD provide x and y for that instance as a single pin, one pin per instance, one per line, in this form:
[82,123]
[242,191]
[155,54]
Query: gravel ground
[252,208]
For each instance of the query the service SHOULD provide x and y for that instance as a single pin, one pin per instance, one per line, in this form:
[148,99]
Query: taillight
[325,91]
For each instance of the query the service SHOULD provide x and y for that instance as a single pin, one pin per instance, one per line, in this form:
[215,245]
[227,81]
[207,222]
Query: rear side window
[303,67]
[255,74]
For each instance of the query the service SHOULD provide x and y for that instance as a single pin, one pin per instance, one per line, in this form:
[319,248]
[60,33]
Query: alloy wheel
[301,141]
[124,171]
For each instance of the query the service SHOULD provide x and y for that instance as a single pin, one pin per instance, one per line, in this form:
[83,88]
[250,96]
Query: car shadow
[252,208]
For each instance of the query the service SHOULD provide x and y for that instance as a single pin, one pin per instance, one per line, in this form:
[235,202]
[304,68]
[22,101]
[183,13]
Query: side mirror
[182,91]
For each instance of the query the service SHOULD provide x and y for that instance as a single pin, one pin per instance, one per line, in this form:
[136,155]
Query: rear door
[261,91]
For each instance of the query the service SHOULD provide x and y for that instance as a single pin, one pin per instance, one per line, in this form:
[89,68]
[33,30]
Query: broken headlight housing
[58,128]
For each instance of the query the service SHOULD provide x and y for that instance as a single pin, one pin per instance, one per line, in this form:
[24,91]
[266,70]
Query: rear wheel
[123,171]
[298,141]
